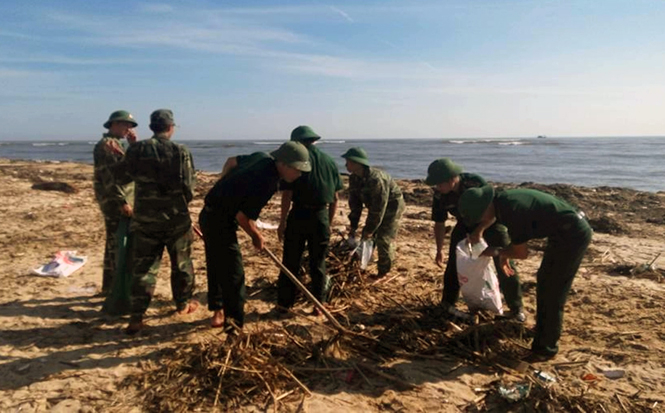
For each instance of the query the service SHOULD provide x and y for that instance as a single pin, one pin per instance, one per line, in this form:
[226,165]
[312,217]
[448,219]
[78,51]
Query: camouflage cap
[442,170]
[357,155]
[304,133]
[120,116]
[162,117]
[474,202]
[293,154]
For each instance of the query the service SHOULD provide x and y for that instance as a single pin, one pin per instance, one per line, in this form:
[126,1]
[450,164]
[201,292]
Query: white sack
[477,278]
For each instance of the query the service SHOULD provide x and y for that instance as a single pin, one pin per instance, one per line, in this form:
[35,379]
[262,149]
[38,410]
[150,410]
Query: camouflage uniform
[385,205]
[163,172]
[110,197]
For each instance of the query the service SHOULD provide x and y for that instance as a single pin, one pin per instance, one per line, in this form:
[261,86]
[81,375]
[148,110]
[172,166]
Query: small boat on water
[542,136]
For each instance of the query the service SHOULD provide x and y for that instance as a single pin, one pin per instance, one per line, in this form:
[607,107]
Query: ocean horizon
[631,162]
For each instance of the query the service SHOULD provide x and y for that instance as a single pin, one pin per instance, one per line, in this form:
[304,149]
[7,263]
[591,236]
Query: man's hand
[507,268]
[126,210]
[281,229]
[475,236]
[439,259]
[131,136]
[257,241]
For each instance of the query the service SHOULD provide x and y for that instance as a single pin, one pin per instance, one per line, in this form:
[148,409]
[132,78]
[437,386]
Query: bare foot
[217,319]
[134,327]
[191,306]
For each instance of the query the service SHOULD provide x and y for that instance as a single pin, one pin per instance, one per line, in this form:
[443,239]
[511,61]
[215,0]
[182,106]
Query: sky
[350,69]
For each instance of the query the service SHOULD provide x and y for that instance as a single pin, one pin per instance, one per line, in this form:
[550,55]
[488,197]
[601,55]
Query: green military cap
[162,117]
[120,116]
[442,170]
[357,155]
[294,154]
[304,133]
[474,202]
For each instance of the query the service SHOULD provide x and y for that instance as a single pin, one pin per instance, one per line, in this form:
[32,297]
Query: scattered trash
[614,374]
[639,269]
[477,277]
[590,377]
[544,376]
[366,250]
[515,392]
[264,225]
[63,264]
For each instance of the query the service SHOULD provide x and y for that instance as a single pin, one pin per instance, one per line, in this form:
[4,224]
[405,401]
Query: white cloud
[342,13]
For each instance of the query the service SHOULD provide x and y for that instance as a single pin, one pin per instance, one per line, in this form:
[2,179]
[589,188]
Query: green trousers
[145,255]
[384,237]
[561,260]
[305,227]
[226,274]
[510,286]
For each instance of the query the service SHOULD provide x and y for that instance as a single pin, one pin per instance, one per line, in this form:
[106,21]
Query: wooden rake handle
[304,289]
[297,282]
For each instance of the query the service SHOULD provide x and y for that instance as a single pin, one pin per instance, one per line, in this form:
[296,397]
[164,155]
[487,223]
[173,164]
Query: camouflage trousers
[384,236]
[145,254]
[111,223]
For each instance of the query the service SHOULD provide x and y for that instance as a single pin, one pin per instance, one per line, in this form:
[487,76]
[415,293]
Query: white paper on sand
[477,278]
[63,264]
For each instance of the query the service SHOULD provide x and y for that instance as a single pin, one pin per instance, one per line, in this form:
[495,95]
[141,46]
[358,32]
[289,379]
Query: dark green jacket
[376,190]
[318,187]
[248,187]
[444,204]
[109,194]
[530,214]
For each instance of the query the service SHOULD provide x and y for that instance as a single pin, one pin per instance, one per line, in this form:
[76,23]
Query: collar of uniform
[160,136]
[109,135]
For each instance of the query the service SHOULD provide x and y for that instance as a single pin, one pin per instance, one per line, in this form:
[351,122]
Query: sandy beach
[59,353]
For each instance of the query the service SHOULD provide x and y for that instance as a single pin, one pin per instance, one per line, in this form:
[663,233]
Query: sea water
[632,162]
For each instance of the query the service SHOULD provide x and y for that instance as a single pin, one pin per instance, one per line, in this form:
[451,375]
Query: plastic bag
[477,278]
[366,250]
[118,302]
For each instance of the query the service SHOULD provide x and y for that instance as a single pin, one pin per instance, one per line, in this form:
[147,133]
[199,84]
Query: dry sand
[58,352]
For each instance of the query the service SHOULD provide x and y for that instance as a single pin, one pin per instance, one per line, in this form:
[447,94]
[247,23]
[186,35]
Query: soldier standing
[375,189]
[115,200]
[529,214]
[449,183]
[314,199]
[247,184]
[163,172]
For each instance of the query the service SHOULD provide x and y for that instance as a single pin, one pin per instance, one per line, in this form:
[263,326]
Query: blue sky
[350,69]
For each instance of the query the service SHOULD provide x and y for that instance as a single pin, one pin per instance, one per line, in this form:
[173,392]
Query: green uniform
[164,177]
[445,204]
[110,196]
[530,214]
[385,205]
[246,188]
[308,223]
